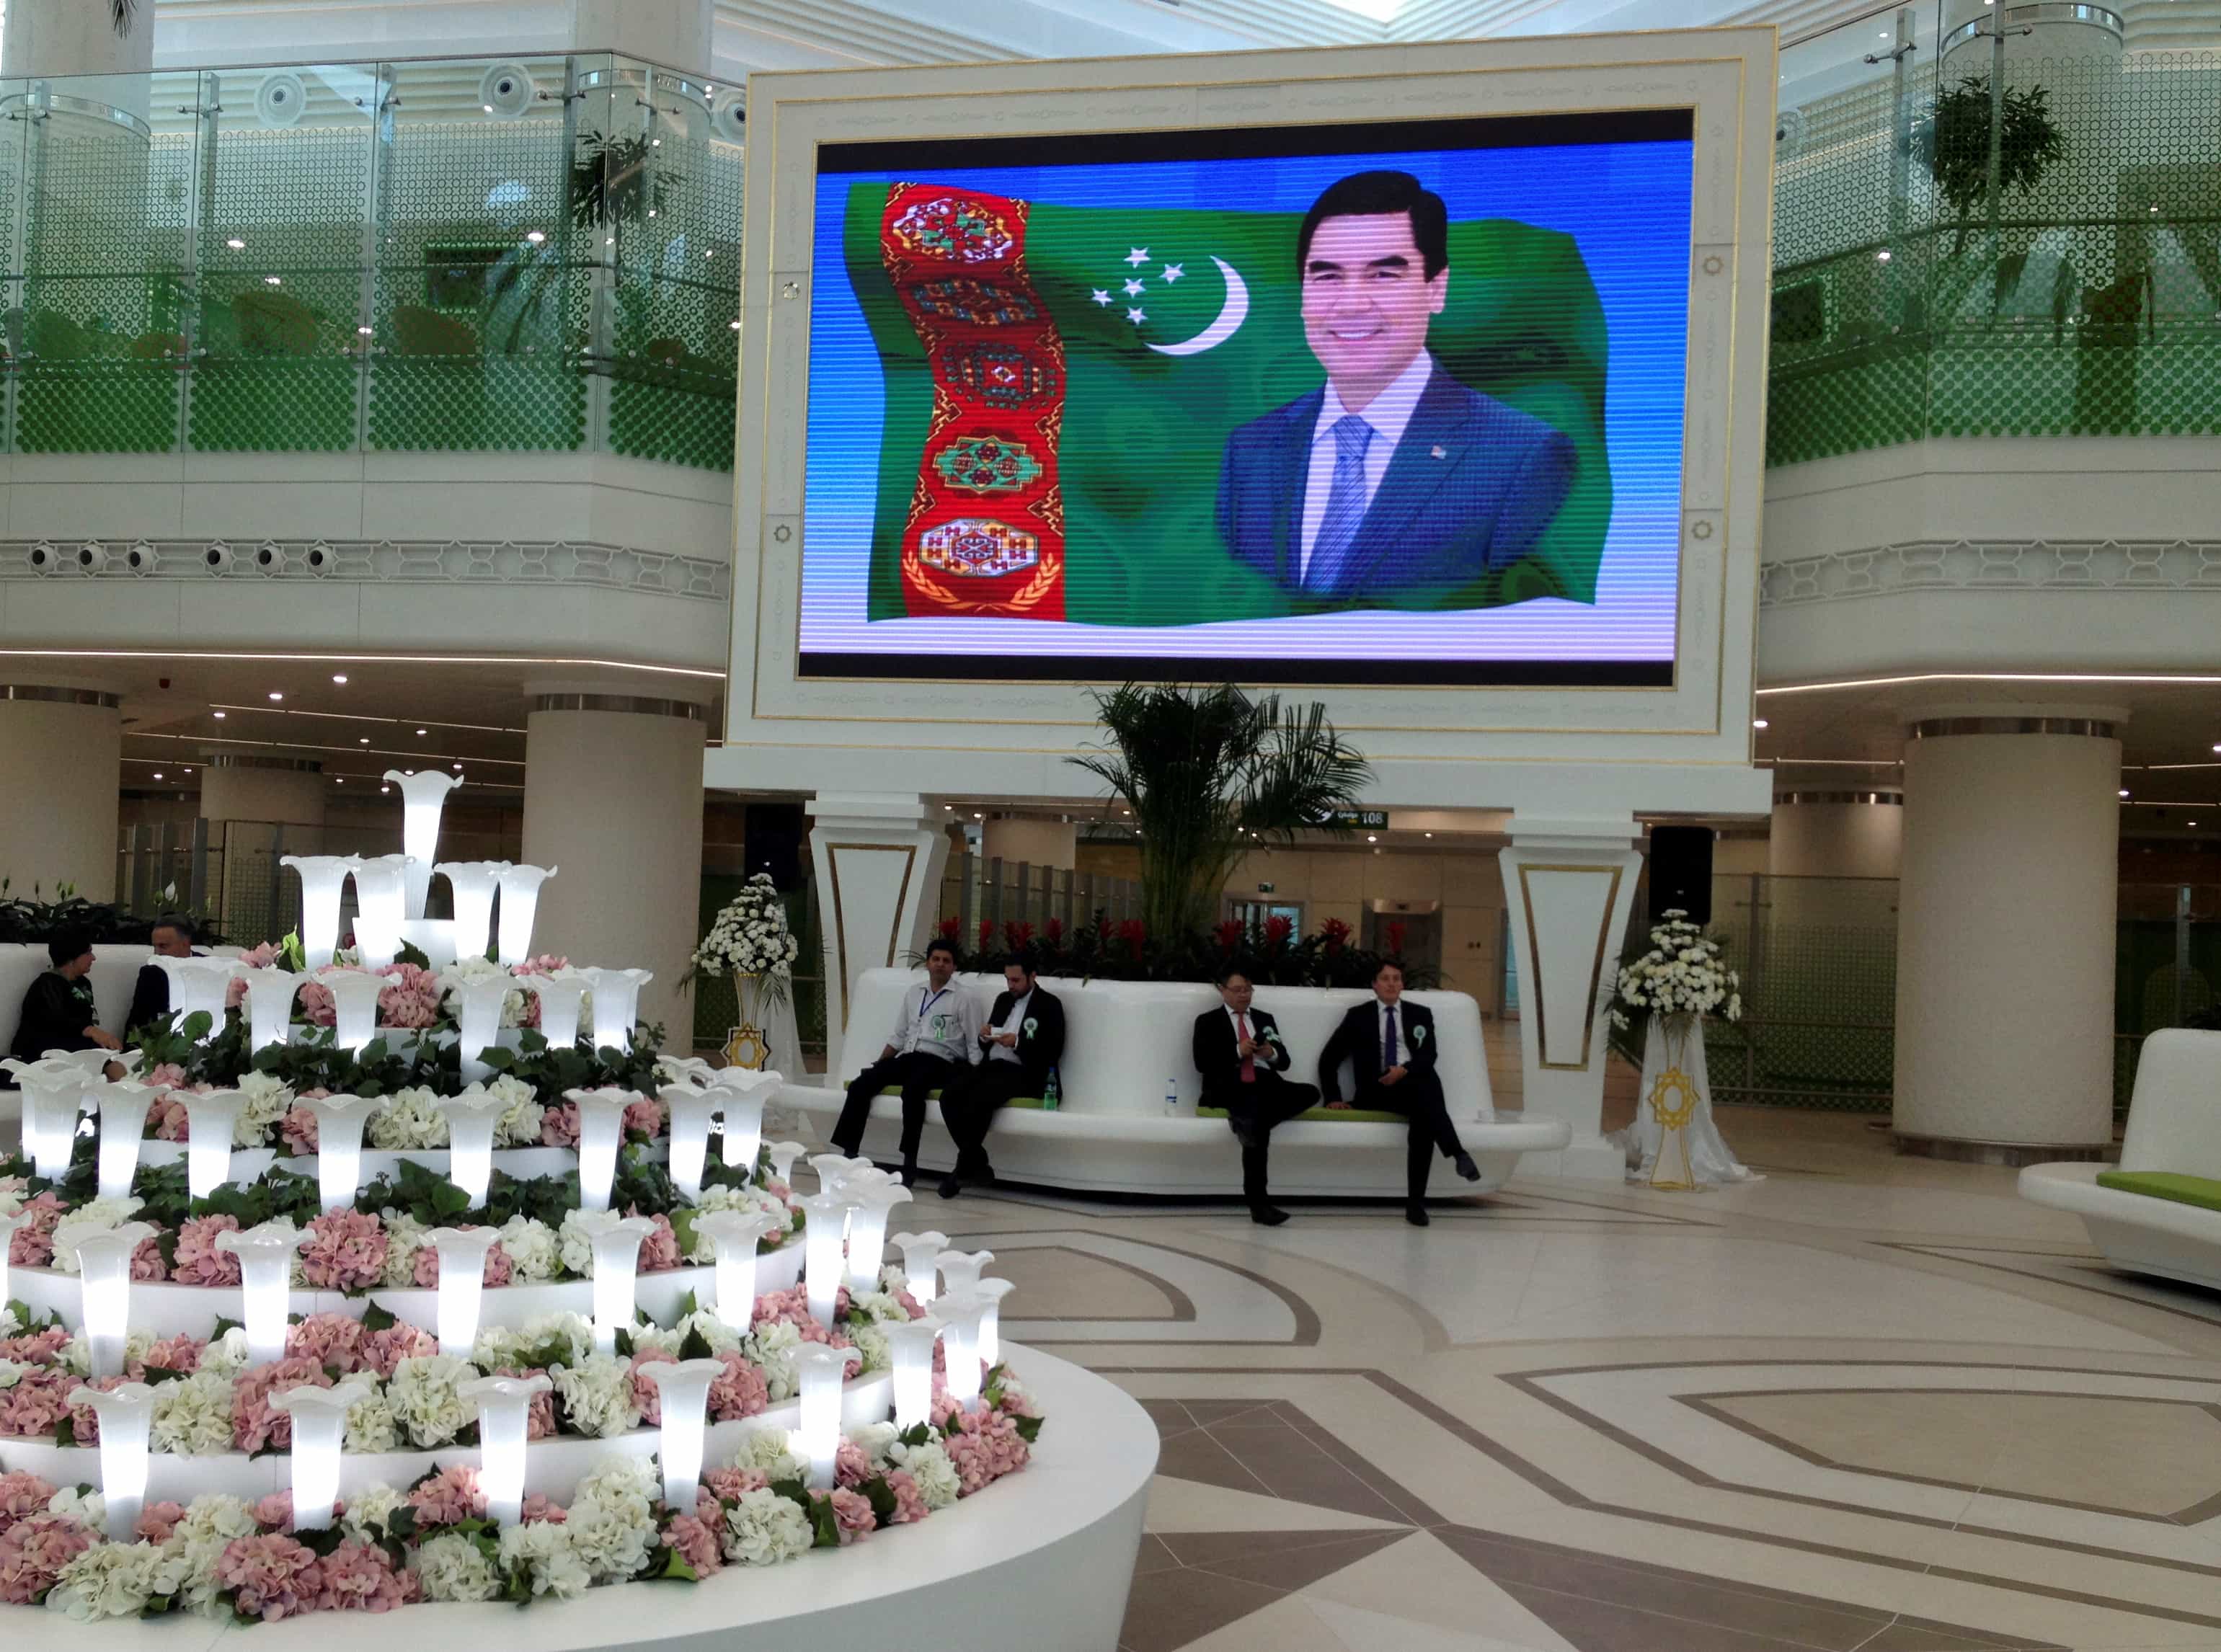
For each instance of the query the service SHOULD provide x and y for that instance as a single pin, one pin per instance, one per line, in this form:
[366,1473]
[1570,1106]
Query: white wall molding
[1992,564]
[615,567]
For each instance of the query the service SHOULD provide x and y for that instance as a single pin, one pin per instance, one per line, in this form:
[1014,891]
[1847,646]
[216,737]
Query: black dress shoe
[1416,1214]
[951,1186]
[1267,1216]
[910,1175]
[1466,1168]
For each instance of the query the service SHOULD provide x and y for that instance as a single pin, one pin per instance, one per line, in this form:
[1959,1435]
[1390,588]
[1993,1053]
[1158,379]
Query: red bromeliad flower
[1334,933]
[1054,933]
[1132,933]
[1278,930]
[1229,934]
[1396,940]
[948,927]
[1017,937]
[987,934]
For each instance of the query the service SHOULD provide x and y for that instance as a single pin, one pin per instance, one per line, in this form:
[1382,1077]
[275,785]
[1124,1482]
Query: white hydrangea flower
[871,1343]
[118,1580]
[453,1568]
[611,1520]
[769,1346]
[365,1516]
[192,1415]
[519,1123]
[542,1551]
[764,1529]
[534,1254]
[81,1504]
[422,1397]
[771,1451]
[228,1354]
[938,1482]
[597,1395]
[404,1236]
[576,1331]
[874,1440]
[371,1426]
[94,1215]
[411,1118]
[211,1522]
[267,1099]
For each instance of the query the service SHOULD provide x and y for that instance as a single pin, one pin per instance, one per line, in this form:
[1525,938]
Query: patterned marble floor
[1867,1405]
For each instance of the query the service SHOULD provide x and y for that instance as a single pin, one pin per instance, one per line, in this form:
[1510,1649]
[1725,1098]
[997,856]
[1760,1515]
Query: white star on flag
[1101,296]
[1137,316]
[1138,257]
[1173,271]
[1134,289]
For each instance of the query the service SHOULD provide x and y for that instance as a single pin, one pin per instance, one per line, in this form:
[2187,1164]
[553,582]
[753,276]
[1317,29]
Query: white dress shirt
[1014,1022]
[1380,1032]
[944,1023]
[1388,413]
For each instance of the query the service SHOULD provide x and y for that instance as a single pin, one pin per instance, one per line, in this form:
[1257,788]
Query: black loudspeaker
[775,831]
[1681,871]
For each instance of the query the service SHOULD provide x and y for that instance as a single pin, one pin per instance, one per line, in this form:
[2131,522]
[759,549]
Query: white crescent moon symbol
[1230,319]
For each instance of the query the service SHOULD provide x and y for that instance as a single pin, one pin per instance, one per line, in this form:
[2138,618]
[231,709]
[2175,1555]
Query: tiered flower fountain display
[321,1310]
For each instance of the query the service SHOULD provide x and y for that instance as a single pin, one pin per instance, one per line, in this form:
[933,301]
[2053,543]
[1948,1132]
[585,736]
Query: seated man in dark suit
[1023,1040]
[150,994]
[1393,484]
[933,1040]
[1391,1047]
[1239,1052]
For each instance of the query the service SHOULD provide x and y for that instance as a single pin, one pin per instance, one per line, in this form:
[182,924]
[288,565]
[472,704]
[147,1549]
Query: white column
[878,859]
[2004,936]
[1837,835]
[61,756]
[613,802]
[676,33]
[1568,886]
[75,37]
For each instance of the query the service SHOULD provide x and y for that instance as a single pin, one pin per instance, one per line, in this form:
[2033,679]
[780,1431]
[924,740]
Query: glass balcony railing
[536,254]
[1992,220]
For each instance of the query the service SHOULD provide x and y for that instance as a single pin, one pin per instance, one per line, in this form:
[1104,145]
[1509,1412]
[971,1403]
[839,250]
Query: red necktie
[1248,1063]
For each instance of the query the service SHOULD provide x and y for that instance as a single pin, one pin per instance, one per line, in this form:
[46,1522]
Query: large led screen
[1398,403]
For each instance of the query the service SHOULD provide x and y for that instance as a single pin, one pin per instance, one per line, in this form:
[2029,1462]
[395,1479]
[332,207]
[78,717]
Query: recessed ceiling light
[458,766]
[236,245]
[219,716]
[1758,723]
[339,779]
[275,694]
[1428,834]
[383,790]
[1371,839]
[420,731]
[274,280]
[158,775]
[339,677]
[189,771]
[2124,791]
[535,237]
[363,740]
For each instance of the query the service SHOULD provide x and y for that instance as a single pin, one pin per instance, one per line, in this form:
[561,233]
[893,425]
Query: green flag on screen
[1061,384]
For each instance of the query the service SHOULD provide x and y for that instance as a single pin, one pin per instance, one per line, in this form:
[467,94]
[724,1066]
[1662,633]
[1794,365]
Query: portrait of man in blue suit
[1393,484]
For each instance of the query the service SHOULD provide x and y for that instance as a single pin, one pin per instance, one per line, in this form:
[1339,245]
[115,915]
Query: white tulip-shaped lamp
[473,1117]
[692,1111]
[818,1370]
[423,794]
[520,899]
[381,901]
[319,1430]
[126,1413]
[616,1005]
[53,1097]
[834,1168]
[355,1006]
[270,1005]
[122,1121]
[562,996]
[921,1253]
[741,1112]
[471,885]
[199,985]
[478,1016]
[103,1266]
[867,1232]
[683,1389]
[736,1235]
[601,1133]
[266,1278]
[462,1253]
[909,1343]
[782,1155]
[615,1239]
[989,1340]
[959,1274]
[8,1226]
[823,1254]
[959,1342]
[323,878]
[210,1118]
[339,1120]
[505,1421]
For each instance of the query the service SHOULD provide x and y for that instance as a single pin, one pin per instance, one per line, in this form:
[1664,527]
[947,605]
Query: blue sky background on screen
[1627,204]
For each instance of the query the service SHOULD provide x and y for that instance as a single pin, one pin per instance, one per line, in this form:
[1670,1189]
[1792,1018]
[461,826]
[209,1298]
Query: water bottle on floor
[1050,1100]
[1172,1098]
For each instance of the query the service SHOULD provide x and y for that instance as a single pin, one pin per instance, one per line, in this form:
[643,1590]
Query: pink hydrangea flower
[910,1502]
[198,1261]
[330,1339]
[384,1349]
[498,1270]
[451,1495]
[359,1577]
[158,1520]
[32,1553]
[35,1348]
[410,998]
[84,1422]
[22,1494]
[740,1391]
[645,1394]
[728,1484]
[147,1262]
[317,1008]
[39,1401]
[559,1126]
[297,1129]
[659,1251]
[852,1514]
[988,1447]
[165,1075]
[271,1576]
[539,1509]
[851,1467]
[179,1353]
[540,1414]
[33,1245]
[346,1251]
[275,1512]
[254,1425]
[167,1120]
[696,1542]
[644,1114]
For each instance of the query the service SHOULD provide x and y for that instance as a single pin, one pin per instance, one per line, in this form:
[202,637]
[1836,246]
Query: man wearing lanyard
[935,1039]
[1238,1051]
[1390,1043]
[1023,1040]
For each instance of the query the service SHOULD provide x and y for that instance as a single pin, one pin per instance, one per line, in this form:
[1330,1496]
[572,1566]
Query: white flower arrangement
[422,1394]
[267,1099]
[1684,974]
[750,937]
[765,1528]
[411,1118]
[94,1215]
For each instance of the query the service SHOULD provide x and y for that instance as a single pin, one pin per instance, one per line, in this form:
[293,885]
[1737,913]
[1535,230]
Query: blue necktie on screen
[1345,504]
[1388,1038]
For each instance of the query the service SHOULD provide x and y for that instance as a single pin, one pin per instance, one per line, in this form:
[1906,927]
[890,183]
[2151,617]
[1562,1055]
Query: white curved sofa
[1128,1043]
[115,974]
[2174,1124]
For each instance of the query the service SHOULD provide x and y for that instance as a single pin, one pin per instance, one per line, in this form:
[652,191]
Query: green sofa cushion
[1033,1102]
[2202,1190]
[1325,1115]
